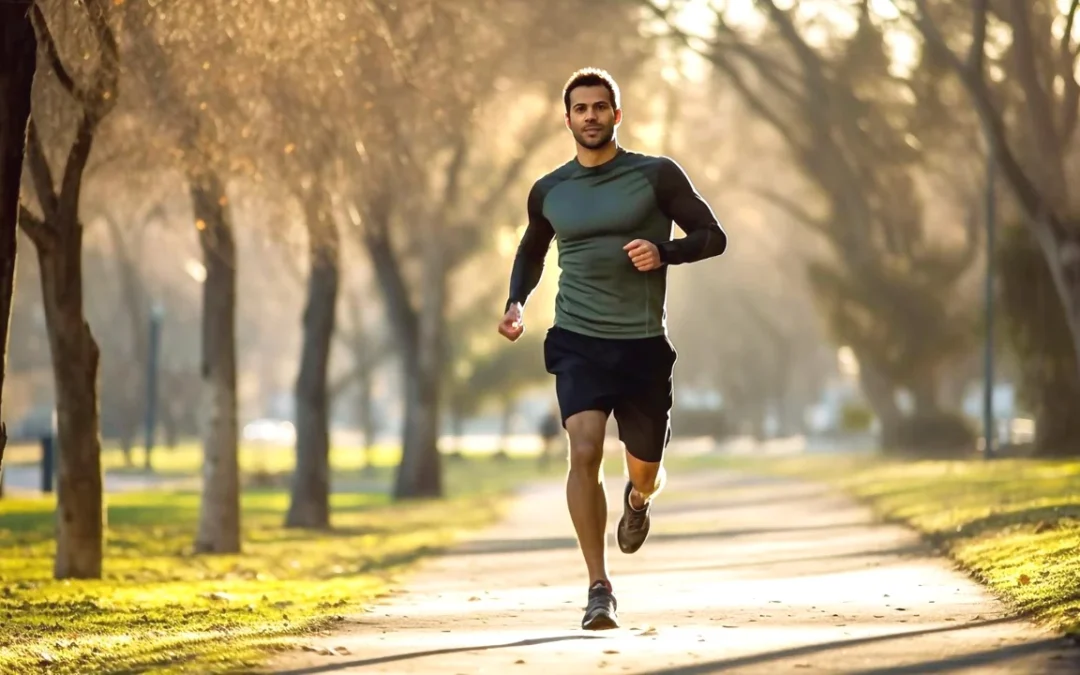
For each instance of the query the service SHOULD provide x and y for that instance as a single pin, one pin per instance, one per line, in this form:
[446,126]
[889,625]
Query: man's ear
[618,116]
[566,118]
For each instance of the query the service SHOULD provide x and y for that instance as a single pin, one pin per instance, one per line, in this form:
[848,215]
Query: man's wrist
[661,251]
[510,303]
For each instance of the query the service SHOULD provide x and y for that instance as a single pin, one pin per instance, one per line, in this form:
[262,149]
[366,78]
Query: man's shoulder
[544,184]
[648,160]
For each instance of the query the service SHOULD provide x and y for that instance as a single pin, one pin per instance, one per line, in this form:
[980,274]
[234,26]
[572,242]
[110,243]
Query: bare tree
[169,52]
[18,61]
[1023,83]
[435,193]
[57,236]
[888,289]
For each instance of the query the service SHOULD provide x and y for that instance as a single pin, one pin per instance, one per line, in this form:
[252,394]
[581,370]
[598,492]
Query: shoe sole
[602,621]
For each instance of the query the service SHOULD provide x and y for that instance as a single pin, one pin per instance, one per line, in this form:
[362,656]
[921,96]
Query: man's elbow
[719,240]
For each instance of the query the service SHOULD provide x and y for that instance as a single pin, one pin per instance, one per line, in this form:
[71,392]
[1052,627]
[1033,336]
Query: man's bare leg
[585,489]
[648,479]
[588,510]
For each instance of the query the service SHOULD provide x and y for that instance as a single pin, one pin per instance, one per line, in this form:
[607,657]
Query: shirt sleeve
[531,251]
[678,200]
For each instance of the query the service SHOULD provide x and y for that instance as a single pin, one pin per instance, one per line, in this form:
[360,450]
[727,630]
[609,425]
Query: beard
[603,138]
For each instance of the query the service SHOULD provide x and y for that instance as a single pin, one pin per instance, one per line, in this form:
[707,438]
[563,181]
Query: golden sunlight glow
[697,19]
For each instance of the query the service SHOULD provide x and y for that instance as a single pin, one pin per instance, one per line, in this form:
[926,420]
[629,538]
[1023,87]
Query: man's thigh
[583,382]
[644,420]
[643,409]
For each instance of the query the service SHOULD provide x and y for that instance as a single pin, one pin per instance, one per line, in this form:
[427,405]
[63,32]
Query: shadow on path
[525,545]
[331,667]
[944,665]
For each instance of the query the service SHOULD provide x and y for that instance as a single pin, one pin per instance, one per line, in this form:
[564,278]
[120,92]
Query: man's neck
[590,157]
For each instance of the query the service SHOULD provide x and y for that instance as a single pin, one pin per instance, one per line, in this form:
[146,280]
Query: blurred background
[362,170]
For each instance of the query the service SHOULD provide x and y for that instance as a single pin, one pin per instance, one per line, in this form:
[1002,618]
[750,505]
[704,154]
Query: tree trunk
[310,500]
[420,471]
[881,396]
[419,335]
[18,61]
[219,517]
[1057,426]
[925,397]
[1062,252]
[75,358]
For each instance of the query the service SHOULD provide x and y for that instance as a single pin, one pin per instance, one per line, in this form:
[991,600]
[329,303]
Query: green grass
[159,606]
[1012,523]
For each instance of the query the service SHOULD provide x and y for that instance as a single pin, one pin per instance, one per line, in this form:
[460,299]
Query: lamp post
[989,433]
[157,315]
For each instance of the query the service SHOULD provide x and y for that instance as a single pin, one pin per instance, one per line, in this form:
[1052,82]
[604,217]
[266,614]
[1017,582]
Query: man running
[611,211]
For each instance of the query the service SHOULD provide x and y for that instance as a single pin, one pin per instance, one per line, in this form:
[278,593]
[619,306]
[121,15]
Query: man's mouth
[592,129]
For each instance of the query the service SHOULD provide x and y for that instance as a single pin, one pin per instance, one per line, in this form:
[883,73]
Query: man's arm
[529,261]
[678,199]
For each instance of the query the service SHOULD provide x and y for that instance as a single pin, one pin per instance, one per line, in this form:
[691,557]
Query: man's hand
[644,255]
[511,327]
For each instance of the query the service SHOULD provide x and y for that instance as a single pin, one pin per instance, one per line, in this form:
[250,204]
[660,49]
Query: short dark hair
[591,77]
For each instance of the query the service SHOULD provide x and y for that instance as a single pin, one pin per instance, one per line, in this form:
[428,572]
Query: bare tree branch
[45,37]
[35,228]
[40,172]
[979,11]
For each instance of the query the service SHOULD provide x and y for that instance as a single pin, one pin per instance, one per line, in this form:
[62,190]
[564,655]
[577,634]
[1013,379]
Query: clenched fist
[511,327]
[644,255]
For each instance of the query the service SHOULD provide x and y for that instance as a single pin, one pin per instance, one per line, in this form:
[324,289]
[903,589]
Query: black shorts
[632,378]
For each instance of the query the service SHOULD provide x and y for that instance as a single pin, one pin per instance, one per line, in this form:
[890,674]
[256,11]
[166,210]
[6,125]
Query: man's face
[592,119]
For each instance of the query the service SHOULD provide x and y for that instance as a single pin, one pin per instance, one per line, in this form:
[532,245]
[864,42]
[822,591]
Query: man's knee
[586,434]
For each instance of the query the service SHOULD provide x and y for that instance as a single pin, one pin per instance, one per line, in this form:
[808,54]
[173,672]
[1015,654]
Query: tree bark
[882,399]
[75,357]
[310,500]
[420,471]
[419,336]
[18,61]
[925,396]
[219,517]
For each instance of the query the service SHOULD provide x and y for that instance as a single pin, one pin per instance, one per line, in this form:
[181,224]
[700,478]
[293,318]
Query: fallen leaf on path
[218,596]
[473,599]
[729,626]
[1024,580]
[344,651]
[611,651]
[648,631]
[519,662]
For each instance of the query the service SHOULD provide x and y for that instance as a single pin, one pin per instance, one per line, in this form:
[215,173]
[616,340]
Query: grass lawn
[1012,523]
[161,606]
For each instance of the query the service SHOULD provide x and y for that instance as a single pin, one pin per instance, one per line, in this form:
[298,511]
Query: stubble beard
[600,142]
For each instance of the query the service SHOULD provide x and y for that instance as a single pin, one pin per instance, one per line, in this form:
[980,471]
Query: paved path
[740,575]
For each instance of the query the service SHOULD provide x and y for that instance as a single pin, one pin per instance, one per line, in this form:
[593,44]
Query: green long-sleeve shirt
[593,212]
